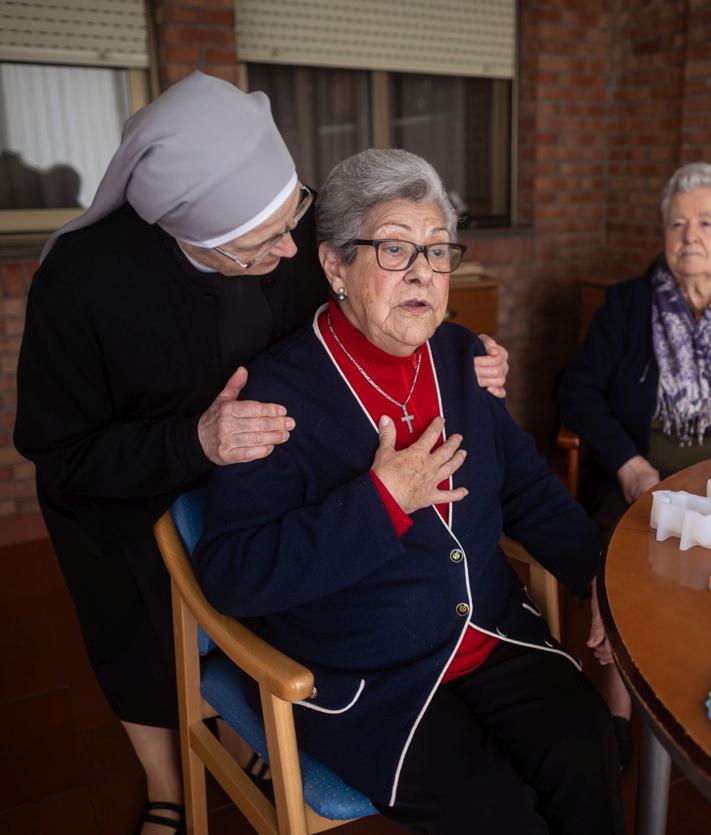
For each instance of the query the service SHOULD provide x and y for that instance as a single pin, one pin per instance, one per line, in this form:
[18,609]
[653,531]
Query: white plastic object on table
[682,514]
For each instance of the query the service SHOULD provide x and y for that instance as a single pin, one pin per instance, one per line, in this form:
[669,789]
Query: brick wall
[194,35]
[17,490]
[696,96]
[614,95]
[564,81]
[646,108]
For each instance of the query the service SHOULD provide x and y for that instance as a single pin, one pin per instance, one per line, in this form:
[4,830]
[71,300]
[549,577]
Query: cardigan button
[455,555]
[462,609]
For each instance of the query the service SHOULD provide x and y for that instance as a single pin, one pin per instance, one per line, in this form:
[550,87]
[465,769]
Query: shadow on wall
[25,187]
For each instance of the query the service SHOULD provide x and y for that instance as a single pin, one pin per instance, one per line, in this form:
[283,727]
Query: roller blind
[96,32]
[451,37]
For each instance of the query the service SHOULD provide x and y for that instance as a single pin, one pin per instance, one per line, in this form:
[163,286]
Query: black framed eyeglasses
[398,256]
[307,198]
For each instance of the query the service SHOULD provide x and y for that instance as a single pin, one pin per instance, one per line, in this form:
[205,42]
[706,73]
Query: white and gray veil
[204,161]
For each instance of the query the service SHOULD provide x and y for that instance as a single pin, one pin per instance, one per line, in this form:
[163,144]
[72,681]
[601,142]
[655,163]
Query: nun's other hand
[232,431]
[491,370]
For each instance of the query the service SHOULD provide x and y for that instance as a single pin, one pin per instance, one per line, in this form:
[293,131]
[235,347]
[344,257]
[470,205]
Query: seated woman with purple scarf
[639,391]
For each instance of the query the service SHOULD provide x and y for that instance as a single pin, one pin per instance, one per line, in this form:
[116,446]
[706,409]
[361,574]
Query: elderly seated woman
[639,390]
[366,546]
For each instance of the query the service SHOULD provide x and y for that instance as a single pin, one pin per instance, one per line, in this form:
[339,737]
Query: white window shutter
[95,32]
[450,37]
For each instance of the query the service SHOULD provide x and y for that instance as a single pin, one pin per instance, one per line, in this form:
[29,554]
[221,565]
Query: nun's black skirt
[122,597]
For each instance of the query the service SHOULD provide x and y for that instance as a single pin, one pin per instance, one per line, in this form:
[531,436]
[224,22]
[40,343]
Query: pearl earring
[341,294]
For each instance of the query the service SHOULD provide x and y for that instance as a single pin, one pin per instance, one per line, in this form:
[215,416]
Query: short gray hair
[690,177]
[359,183]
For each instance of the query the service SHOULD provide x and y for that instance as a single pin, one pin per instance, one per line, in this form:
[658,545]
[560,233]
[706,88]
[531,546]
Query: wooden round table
[656,605]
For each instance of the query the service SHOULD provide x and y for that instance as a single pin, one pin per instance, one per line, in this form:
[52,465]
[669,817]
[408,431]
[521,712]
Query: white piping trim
[417,721]
[532,610]
[450,508]
[350,704]
[570,658]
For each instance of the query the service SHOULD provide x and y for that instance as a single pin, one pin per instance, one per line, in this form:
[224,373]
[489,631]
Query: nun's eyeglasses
[267,246]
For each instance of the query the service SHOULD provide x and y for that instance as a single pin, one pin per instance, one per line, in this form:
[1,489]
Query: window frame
[29,226]
[501,128]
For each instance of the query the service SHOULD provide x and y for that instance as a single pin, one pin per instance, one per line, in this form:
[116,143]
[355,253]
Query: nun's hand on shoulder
[491,370]
[232,431]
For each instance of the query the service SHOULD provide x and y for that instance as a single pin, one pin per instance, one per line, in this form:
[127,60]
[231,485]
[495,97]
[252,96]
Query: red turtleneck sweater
[394,375]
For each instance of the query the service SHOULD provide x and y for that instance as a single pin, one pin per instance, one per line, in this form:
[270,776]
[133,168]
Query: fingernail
[281,410]
[385,420]
[290,423]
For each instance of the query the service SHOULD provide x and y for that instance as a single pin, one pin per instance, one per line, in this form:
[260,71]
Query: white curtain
[59,127]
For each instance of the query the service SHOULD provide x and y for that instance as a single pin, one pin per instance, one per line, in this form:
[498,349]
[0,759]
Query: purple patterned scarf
[682,347]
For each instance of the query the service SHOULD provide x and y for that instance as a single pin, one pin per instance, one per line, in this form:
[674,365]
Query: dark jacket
[300,546]
[125,345]
[609,394]
[121,355]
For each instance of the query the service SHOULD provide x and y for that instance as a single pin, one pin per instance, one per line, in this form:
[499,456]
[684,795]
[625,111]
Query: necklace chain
[406,418]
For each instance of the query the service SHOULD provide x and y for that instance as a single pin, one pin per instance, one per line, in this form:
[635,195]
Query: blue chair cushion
[222,686]
[188,512]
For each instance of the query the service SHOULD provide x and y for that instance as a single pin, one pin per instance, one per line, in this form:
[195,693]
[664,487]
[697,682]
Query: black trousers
[522,746]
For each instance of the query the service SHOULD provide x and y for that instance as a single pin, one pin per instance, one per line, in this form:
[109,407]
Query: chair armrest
[567,439]
[279,674]
[516,551]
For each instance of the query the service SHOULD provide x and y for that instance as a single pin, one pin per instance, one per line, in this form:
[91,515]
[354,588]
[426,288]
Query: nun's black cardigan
[125,346]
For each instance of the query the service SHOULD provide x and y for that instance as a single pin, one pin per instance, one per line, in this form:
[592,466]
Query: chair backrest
[309,797]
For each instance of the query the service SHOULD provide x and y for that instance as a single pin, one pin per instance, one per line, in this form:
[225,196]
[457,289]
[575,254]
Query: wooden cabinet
[472,300]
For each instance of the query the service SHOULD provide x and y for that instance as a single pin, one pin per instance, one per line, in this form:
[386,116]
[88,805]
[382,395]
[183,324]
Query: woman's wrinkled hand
[411,475]
[491,371]
[636,476]
[598,641]
[233,431]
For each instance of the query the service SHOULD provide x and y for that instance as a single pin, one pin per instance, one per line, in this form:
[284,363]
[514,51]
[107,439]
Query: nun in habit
[197,253]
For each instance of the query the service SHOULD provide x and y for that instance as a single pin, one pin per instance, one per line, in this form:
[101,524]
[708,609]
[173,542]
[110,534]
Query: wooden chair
[569,441]
[543,586]
[309,797]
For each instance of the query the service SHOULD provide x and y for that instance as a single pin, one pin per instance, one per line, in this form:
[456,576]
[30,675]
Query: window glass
[323,114]
[59,127]
[462,126]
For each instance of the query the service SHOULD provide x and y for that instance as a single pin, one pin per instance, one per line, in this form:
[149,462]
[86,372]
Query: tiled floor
[66,767]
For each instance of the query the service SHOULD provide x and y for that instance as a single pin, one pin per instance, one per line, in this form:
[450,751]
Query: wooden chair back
[282,681]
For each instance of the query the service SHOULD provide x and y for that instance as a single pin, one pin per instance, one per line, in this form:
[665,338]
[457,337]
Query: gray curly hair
[690,177]
[359,183]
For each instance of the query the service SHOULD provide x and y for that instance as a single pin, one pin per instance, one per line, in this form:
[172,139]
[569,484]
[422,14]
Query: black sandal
[178,824]
[259,778]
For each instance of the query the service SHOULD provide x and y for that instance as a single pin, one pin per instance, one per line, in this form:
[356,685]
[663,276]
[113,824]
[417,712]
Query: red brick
[176,72]
[218,17]
[228,73]
[193,35]
[12,308]
[174,13]
[220,56]
[181,54]
[14,281]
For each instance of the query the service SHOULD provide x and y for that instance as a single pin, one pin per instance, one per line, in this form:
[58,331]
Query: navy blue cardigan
[300,547]
[609,394]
